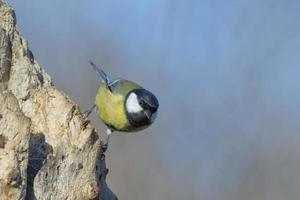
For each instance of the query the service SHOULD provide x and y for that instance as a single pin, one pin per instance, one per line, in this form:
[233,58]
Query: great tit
[123,105]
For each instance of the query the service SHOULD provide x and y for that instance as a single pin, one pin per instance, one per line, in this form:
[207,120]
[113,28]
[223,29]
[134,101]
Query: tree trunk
[48,150]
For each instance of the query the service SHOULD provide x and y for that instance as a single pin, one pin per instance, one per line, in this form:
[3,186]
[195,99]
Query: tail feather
[100,73]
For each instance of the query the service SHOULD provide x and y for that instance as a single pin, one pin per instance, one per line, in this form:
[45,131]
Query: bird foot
[104,147]
[88,112]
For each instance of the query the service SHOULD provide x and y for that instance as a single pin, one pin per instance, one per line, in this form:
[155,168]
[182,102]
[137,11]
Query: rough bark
[47,149]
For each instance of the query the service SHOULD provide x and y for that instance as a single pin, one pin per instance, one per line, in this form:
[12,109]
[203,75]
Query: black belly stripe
[138,119]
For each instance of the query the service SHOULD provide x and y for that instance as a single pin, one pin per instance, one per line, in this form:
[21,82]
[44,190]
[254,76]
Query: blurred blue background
[227,77]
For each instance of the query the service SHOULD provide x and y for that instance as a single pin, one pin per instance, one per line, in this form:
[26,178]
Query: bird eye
[142,102]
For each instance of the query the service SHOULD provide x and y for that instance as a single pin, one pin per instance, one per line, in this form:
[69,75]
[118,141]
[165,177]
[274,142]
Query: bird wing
[123,86]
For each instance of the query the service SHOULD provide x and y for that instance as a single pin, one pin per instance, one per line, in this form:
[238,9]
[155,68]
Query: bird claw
[88,112]
[104,147]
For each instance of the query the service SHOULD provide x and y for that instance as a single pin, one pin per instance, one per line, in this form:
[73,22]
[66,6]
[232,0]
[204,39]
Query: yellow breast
[111,108]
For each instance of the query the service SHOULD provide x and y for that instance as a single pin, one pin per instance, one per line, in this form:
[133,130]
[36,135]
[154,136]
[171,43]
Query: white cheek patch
[132,104]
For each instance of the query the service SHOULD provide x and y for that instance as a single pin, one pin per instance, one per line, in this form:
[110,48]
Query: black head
[141,107]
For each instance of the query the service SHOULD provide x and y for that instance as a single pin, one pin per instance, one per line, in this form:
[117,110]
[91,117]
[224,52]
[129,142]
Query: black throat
[138,119]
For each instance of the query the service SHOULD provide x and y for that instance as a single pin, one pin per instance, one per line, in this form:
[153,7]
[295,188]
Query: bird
[123,105]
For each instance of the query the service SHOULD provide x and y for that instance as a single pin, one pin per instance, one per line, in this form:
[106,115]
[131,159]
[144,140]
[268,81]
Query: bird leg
[88,112]
[108,133]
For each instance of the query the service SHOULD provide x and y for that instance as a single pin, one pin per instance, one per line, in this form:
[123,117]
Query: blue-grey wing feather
[100,73]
